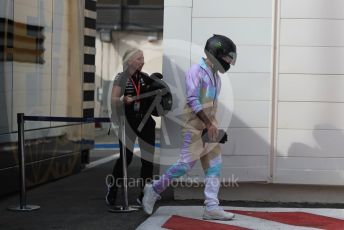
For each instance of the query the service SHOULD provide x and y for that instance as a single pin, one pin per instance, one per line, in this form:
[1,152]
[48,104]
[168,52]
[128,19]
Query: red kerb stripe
[297,219]
[183,223]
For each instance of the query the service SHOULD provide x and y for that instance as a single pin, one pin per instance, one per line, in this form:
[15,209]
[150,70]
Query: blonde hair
[127,56]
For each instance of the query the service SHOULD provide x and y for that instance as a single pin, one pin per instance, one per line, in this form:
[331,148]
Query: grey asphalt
[74,202]
[77,202]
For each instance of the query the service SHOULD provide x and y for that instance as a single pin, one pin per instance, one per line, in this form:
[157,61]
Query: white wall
[310,93]
[309,127]
[245,92]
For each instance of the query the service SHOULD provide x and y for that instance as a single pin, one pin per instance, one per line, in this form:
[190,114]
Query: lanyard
[136,87]
[212,78]
[215,89]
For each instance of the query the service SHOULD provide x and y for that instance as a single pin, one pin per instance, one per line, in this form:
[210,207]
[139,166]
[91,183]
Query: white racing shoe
[217,214]
[149,199]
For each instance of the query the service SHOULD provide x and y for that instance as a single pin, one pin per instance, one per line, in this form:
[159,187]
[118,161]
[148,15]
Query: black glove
[221,137]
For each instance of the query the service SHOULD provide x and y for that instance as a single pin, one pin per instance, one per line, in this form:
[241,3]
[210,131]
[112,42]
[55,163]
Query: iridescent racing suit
[202,89]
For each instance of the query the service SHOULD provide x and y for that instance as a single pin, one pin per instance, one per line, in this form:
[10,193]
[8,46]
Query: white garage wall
[310,100]
[176,61]
[309,127]
[247,83]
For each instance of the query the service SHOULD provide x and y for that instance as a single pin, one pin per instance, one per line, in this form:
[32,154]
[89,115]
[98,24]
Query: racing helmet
[221,51]
[159,88]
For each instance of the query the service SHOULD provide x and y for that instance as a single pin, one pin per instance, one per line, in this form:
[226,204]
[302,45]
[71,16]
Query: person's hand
[128,99]
[212,132]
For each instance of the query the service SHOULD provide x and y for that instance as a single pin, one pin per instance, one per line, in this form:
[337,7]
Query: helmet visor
[230,58]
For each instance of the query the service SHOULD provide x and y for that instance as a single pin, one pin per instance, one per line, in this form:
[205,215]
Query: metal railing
[21,118]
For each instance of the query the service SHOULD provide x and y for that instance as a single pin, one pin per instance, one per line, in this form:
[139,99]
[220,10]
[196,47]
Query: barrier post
[125,207]
[21,156]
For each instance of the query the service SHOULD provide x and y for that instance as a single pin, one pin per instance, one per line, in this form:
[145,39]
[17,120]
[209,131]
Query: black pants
[146,139]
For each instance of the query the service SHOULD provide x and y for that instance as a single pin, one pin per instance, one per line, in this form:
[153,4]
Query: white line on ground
[104,160]
[101,161]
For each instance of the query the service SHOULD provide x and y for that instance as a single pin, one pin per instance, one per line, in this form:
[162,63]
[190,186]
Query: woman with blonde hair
[127,86]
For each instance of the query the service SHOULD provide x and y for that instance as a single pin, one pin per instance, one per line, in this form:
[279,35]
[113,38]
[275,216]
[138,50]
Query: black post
[125,207]
[21,156]
[124,163]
